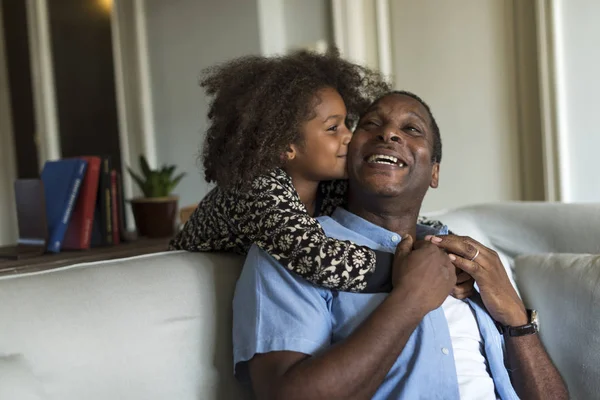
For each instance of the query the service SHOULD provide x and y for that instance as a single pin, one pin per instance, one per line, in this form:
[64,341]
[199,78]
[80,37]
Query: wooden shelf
[64,258]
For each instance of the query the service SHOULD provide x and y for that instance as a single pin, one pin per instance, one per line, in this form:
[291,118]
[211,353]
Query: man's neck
[390,214]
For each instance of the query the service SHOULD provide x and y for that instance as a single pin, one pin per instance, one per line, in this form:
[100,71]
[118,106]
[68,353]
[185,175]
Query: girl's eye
[333,128]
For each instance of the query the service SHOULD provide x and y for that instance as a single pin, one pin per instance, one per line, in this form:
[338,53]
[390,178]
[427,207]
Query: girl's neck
[307,191]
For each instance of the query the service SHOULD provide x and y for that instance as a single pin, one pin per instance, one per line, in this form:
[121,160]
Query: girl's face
[322,153]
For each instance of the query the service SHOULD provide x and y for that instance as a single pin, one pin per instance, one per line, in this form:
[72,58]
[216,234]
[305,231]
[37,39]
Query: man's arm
[534,376]
[353,368]
[356,367]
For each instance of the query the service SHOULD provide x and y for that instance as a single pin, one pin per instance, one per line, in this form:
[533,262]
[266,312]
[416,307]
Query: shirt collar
[376,233]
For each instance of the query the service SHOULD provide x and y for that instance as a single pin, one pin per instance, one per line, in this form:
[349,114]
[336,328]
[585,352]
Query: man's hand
[426,273]
[533,374]
[484,265]
[465,285]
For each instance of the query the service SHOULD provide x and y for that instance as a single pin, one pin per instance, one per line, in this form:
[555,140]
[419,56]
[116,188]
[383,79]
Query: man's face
[391,150]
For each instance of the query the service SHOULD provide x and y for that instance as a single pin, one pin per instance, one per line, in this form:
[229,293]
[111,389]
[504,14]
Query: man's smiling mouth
[386,160]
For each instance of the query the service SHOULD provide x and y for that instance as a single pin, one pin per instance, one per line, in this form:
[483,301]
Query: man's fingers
[463,246]
[420,244]
[470,267]
[405,247]
[463,290]
[462,276]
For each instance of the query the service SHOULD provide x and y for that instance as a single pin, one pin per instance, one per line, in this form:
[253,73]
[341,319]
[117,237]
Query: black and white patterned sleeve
[271,215]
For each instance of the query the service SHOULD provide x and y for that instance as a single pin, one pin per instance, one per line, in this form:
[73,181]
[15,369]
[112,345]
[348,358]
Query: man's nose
[389,134]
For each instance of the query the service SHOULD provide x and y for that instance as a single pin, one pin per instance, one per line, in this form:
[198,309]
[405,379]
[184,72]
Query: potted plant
[155,213]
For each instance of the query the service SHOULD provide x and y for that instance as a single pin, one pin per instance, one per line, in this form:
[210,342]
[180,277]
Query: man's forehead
[397,102]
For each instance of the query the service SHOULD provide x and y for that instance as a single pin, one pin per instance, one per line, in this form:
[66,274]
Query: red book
[114,207]
[79,231]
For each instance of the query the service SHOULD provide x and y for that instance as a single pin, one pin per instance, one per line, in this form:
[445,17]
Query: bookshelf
[50,261]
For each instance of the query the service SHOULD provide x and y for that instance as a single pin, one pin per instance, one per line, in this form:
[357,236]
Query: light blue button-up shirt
[275,310]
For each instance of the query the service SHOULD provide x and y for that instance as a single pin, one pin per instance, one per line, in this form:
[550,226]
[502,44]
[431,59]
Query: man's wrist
[517,318]
[410,303]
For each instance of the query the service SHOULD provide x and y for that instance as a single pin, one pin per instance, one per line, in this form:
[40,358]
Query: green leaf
[173,184]
[140,182]
[170,171]
[158,182]
[144,166]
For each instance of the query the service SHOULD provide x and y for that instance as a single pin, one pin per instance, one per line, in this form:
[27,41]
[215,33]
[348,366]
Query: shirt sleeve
[274,310]
[272,216]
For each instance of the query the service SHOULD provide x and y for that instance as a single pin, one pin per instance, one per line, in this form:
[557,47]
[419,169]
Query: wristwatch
[528,329]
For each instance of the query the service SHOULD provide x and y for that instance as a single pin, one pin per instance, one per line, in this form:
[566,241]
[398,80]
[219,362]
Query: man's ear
[435,176]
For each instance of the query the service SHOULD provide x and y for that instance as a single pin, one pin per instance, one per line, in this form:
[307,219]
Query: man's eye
[370,123]
[413,129]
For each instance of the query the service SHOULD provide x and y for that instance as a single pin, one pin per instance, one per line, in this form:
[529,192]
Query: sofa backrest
[565,289]
[150,327]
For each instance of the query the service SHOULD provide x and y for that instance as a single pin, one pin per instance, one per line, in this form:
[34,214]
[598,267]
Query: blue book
[62,181]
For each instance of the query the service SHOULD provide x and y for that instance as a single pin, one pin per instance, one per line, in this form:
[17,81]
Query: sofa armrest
[565,289]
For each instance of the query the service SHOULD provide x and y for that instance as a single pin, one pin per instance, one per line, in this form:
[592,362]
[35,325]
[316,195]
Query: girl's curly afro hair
[260,103]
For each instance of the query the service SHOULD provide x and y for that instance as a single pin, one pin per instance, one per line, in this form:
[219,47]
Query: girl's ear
[290,154]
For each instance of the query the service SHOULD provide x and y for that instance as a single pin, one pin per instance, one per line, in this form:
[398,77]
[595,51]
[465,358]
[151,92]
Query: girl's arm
[272,216]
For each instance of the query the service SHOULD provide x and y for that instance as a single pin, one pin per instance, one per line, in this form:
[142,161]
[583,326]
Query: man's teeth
[383,159]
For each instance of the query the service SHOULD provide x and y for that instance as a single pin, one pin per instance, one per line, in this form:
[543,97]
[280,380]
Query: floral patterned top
[271,215]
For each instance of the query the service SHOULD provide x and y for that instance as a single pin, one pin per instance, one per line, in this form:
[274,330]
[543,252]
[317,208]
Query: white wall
[459,56]
[8,220]
[185,36]
[577,74]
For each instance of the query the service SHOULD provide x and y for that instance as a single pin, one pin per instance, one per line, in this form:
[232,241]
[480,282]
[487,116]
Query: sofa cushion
[17,381]
[149,327]
[565,289]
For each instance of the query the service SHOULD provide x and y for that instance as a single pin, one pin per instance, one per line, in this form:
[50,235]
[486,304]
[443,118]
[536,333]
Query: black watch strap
[523,330]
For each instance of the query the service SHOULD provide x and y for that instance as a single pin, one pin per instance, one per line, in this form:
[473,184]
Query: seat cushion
[565,289]
[149,327]
[17,381]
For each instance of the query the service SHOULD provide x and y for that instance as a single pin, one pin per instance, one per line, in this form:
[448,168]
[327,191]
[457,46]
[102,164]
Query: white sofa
[159,326]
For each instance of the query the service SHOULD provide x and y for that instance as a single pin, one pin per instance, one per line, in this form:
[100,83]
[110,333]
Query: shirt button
[395,238]
[445,351]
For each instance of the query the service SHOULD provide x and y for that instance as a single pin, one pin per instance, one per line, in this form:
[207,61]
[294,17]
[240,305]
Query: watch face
[534,320]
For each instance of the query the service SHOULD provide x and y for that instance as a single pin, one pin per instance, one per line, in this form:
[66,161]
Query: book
[62,181]
[114,207]
[31,219]
[121,204]
[102,227]
[79,231]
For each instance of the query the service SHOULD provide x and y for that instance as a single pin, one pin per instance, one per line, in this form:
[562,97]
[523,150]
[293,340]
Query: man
[298,341]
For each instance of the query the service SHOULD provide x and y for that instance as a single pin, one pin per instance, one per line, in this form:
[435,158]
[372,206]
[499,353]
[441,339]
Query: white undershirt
[474,380]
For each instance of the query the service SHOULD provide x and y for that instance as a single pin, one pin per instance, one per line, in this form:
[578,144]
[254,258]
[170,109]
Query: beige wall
[306,23]
[577,74]
[8,226]
[460,57]
[182,40]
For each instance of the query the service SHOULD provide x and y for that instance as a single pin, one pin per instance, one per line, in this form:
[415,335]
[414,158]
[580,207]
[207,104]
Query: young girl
[276,147]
